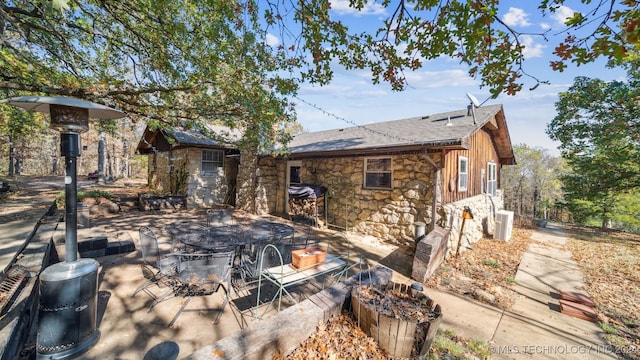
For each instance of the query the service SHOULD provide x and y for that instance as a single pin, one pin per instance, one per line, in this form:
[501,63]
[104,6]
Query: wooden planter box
[403,338]
[308,258]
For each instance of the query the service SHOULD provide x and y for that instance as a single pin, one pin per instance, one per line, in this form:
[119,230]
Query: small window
[463,173]
[294,175]
[211,161]
[491,179]
[377,173]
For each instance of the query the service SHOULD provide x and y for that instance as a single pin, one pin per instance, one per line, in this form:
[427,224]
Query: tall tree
[164,61]
[533,183]
[18,127]
[185,62]
[599,132]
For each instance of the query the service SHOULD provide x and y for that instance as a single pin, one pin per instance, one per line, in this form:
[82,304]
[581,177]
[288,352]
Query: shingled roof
[226,138]
[450,130]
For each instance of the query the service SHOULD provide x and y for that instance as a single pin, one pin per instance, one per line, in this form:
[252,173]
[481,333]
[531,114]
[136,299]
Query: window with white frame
[377,173]
[211,161]
[492,182]
[463,173]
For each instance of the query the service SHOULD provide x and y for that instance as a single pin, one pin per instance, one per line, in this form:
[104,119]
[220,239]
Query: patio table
[285,276]
[213,239]
[237,235]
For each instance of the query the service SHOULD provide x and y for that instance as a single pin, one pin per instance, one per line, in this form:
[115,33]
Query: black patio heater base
[67,312]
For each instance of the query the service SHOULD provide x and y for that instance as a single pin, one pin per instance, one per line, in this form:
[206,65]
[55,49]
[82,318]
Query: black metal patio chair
[157,270]
[202,274]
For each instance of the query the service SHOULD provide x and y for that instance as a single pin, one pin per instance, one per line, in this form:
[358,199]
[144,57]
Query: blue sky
[441,84]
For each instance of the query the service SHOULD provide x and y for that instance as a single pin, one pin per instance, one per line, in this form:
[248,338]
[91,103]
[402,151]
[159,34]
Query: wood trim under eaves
[464,144]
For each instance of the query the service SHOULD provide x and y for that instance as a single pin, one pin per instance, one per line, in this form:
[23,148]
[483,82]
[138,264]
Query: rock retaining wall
[483,207]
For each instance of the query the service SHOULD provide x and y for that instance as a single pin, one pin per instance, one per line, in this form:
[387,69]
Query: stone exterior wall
[386,214]
[205,190]
[201,190]
[483,207]
[270,186]
[161,175]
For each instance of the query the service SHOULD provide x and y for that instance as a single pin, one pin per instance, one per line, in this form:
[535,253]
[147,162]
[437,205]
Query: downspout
[436,183]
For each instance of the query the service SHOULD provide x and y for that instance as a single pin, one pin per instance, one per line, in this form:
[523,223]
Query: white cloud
[439,79]
[272,40]
[545,26]
[341,7]
[562,14]
[531,49]
[516,17]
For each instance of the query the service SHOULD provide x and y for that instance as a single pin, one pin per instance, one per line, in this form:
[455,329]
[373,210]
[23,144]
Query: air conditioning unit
[504,225]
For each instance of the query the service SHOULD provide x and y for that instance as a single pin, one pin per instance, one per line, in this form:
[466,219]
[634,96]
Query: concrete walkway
[534,327]
[19,219]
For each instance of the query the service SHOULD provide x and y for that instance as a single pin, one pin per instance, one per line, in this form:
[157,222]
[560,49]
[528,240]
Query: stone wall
[386,214]
[483,207]
[270,186]
[161,176]
[201,190]
[205,190]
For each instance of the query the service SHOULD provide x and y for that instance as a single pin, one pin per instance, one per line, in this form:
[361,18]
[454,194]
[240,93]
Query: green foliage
[179,179]
[609,329]
[190,62]
[471,32]
[627,210]
[597,126]
[491,262]
[83,194]
[168,62]
[623,215]
[94,194]
[536,169]
[448,345]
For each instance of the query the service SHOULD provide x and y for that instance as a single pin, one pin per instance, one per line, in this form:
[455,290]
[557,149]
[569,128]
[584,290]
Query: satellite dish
[473,99]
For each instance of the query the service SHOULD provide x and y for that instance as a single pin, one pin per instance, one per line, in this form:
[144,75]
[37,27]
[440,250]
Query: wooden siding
[481,151]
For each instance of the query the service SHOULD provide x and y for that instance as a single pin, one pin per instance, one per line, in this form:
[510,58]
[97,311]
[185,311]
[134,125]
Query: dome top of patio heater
[67,113]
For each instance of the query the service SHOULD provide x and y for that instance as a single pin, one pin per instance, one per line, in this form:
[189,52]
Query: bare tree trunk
[110,160]
[125,159]
[11,155]
[101,147]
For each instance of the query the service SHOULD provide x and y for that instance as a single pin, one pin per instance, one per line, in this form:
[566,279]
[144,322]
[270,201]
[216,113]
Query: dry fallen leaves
[339,338]
[490,266]
[610,263]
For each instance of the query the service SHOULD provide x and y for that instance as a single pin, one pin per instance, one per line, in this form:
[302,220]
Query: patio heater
[68,290]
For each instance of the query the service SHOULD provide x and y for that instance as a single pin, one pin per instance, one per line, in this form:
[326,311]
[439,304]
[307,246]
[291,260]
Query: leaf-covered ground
[610,263]
[341,338]
[486,272]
